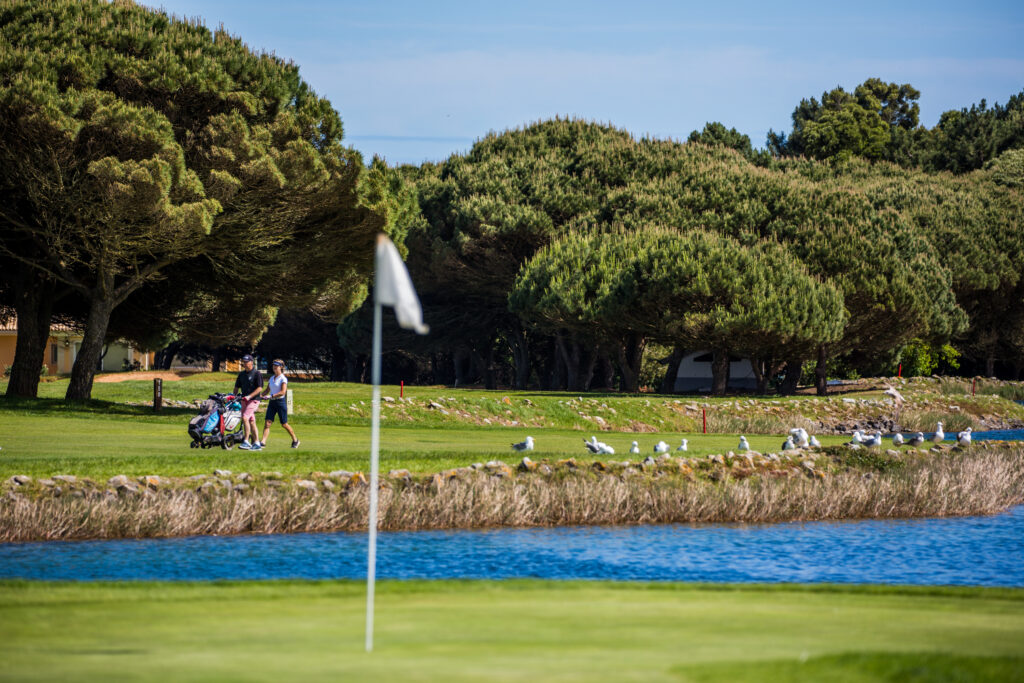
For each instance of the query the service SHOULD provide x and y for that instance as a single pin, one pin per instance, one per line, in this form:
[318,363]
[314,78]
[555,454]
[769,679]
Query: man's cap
[246,357]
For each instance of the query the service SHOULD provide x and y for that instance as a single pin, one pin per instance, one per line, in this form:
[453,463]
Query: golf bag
[219,423]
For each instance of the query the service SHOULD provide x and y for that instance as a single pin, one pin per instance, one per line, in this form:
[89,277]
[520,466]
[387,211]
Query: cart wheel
[227,442]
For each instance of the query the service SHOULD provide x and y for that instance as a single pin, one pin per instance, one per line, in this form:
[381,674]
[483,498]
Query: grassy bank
[516,630]
[841,485]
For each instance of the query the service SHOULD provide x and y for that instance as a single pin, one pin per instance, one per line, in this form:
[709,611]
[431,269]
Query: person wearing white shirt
[277,406]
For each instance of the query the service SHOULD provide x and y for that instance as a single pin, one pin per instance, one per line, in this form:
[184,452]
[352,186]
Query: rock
[47,482]
[245,476]
[207,488]
[275,483]
[222,473]
[892,453]
[151,481]
[66,478]
[117,481]
[648,462]
[544,469]
[599,466]
[527,465]
[477,466]
[357,479]
[569,463]
[20,479]
[226,483]
[404,475]
[307,485]
[717,458]
[128,489]
[197,477]
[388,399]
[240,488]
[807,465]
[340,474]
[272,475]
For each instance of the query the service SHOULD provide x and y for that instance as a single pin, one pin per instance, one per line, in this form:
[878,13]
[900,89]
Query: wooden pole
[158,394]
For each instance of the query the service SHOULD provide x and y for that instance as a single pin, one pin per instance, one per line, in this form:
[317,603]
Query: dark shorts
[277,406]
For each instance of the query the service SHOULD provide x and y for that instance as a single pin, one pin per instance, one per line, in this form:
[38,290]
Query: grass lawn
[106,436]
[515,630]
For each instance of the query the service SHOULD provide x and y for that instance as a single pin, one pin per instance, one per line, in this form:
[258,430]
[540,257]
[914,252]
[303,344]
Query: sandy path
[165,375]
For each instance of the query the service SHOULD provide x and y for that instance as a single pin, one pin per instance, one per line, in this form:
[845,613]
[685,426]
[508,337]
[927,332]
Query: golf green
[505,631]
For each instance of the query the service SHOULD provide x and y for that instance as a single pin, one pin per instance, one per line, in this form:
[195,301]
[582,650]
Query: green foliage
[920,359]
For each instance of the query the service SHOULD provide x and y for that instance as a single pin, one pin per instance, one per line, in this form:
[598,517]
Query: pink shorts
[249,408]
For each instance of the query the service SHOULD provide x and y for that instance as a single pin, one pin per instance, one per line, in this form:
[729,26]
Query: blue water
[986,551]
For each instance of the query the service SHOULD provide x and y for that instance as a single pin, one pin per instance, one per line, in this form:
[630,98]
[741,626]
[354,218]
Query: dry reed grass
[958,484]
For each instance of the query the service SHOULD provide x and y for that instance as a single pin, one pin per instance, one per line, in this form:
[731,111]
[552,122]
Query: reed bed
[959,484]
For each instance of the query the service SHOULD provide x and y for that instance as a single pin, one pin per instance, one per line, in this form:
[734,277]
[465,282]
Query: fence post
[158,394]
[289,399]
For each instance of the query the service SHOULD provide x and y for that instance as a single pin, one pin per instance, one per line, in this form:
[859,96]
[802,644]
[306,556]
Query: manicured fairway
[105,445]
[517,630]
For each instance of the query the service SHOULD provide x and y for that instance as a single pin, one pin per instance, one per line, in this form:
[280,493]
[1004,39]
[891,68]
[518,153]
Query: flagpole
[371,562]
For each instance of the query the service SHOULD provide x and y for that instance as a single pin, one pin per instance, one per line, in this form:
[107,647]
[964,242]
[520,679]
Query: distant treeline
[164,184]
[554,255]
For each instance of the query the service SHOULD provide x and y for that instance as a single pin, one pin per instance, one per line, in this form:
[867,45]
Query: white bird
[524,445]
[592,445]
[814,442]
[858,437]
[682,446]
[800,437]
[874,441]
[744,446]
[964,438]
[605,449]
[897,439]
[635,448]
[917,439]
[661,447]
[789,445]
[939,434]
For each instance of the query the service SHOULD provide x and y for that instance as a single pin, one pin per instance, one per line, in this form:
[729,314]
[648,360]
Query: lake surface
[986,551]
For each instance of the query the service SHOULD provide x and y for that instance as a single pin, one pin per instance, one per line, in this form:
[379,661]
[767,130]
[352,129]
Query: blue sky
[418,81]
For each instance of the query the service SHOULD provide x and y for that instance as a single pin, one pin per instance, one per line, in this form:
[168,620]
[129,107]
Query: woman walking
[277,389]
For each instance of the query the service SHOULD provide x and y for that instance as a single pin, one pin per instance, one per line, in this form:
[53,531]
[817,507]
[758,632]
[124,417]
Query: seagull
[682,446]
[605,449]
[592,445]
[744,446]
[874,441]
[789,445]
[858,437]
[814,442]
[661,447]
[800,436]
[897,439]
[524,445]
[917,439]
[635,448]
[964,438]
[939,434]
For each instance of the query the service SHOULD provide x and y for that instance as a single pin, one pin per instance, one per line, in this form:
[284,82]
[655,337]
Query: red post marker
[401,389]
[899,372]
[704,410]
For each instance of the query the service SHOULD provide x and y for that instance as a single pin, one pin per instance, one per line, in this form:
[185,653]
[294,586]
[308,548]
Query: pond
[983,551]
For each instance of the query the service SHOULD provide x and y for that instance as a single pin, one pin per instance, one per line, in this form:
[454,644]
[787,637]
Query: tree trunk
[217,360]
[672,363]
[760,369]
[794,370]
[631,355]
[33,305]
[821,372]
[460,358]
[355,368]
[990,366]
[337,369]
[82,373]
[520,357]
[570,353]
[719,372]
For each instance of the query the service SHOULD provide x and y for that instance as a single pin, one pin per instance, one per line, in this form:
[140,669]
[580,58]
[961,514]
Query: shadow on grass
[913,667]
[62,407]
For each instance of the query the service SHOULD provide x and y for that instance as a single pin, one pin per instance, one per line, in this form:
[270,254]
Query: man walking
[247,388]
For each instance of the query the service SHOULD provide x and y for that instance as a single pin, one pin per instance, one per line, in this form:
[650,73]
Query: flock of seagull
[798,438]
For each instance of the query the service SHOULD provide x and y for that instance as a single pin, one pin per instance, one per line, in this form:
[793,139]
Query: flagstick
[371,568]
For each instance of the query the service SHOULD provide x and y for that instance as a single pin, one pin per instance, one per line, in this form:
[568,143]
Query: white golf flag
[392,287]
